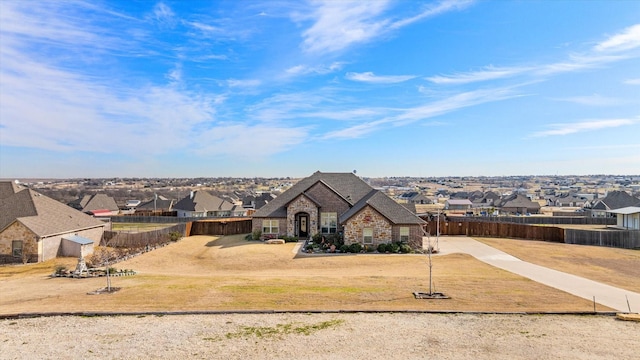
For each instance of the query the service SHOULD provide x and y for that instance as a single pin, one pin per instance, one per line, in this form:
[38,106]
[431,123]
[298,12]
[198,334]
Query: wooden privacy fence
[542,220]
[221,227]
[129,240]
[495,229]
[626,239]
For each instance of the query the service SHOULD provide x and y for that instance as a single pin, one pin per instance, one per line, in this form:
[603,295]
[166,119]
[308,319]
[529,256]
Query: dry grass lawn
[229,273]
[612,266]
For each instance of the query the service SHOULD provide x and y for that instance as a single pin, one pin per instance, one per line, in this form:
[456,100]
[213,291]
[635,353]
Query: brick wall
[256,224]
[329,200]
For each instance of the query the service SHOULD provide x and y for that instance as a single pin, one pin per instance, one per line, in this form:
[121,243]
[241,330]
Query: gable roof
[383,204]
[517,201]
[96,202]
[161,203]
[616,200]
[43,215]
[202,201]
[8,188]
[347,185]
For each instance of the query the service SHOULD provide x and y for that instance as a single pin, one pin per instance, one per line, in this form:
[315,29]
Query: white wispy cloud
[314,69]
[340,24]
[589,125]
[370,77]
[243,83]
[65,107]
[411,115]
[433,10]
[628,39]
[592,100]
[163,15]
[602,54]
[632,81]
[488,73]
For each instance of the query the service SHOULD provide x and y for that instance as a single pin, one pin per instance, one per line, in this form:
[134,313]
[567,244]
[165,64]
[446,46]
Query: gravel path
[320,336]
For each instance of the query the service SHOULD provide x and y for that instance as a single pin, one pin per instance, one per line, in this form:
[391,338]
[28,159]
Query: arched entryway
[302,225]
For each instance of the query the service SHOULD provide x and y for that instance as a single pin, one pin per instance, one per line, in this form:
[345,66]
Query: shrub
[61,270]
[344,248]
[174,236]
[248,237]
[317,238]
[255,235]
[335,239]
[290,238]
[405,249]
[309,247]
[355,248]
[393,247]
[382,248]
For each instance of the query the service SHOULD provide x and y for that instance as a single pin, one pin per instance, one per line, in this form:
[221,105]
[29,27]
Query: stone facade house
[34,227]
[342,203]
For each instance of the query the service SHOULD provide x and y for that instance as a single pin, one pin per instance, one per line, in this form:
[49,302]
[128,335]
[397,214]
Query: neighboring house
[330,203]
[458,204]
[517,204]
[97,203]
[613,201]
[161,204]
[628,217]
[414,197]
[34,227]
[566,200]
[202,204]
[255,202]
[132,204]
[487,200]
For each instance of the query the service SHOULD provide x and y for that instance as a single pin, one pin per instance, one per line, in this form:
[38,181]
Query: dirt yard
[321,336]
[230,273]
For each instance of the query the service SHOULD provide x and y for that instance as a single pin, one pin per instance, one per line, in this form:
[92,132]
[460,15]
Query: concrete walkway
[606,295]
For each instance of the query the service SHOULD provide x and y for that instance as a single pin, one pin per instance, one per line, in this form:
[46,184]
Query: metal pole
[438,232]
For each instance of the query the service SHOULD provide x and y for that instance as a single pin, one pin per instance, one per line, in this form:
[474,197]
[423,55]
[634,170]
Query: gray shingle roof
[616,200]
[160,204]
[390,209]
[517,201]
[97,202]
[347,185]
[43,215]
[202,201]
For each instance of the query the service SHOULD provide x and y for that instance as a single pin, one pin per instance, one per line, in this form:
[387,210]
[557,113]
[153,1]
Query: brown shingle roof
[98,202]
[347,185]
[390,209]
[43,215]
[203,201]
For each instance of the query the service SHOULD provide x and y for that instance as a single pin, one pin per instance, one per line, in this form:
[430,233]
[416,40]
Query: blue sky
[279,88]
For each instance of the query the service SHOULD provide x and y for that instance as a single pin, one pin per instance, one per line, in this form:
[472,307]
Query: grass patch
[282,329]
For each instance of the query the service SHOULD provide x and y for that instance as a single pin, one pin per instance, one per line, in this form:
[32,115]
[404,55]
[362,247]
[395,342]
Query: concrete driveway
[606,295]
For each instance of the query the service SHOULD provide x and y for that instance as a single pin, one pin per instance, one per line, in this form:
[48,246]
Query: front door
[303,226]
